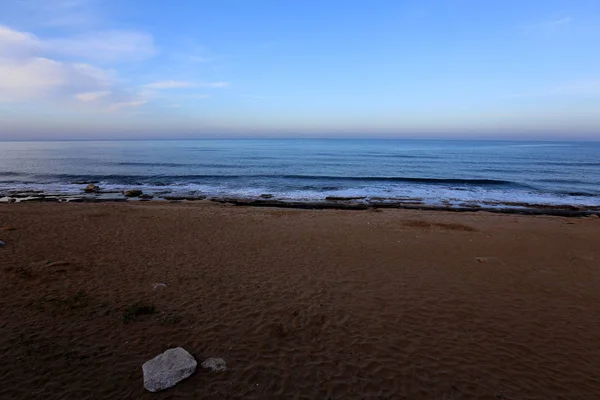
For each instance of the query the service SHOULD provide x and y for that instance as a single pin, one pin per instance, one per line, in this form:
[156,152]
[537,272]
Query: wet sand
[323,304]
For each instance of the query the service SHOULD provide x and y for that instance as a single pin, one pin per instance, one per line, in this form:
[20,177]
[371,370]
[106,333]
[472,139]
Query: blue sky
[327,68]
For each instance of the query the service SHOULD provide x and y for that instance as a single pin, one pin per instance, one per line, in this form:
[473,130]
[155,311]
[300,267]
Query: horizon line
[592,140]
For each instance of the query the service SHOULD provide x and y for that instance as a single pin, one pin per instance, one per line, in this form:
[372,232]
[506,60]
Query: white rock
[157,286]
[215,364]
[168,369]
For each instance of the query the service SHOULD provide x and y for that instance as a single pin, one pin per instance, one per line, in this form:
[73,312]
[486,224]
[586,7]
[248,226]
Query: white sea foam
[431,195]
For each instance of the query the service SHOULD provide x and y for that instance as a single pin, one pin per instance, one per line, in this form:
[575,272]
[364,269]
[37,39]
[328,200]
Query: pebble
[215,364]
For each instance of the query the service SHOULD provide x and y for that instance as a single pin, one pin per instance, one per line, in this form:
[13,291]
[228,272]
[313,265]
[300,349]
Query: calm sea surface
[435,171]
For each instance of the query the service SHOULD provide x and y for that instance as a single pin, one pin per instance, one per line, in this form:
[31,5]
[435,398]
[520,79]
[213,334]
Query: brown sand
[301,304]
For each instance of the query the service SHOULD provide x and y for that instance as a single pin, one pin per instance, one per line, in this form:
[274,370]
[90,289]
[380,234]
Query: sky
[110,69]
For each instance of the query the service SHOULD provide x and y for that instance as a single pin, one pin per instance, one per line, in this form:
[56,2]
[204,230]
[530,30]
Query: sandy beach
[302,304]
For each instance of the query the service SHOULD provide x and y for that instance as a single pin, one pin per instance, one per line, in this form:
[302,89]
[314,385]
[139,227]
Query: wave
[173,165]
[116,178]
[9,174]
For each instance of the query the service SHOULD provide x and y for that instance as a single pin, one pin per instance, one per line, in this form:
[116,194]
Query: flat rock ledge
[168,369]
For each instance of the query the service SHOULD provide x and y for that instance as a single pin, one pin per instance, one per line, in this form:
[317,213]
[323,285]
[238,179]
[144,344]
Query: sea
[446,173]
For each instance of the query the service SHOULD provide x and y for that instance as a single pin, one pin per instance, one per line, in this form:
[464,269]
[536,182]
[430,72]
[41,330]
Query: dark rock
[2,244]
[469,205]
[215,364]
[283,204]
[338,198]
[83,182]
[133,193]
[145,196]
[22,195]
[40,199]
[266,196]
[91,188]
[179,198]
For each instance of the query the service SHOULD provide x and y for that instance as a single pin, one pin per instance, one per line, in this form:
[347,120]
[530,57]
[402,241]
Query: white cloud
[50,72]
[109,46]
[168,85]
[40,78]
[27,75]
[91,96]
[17,44]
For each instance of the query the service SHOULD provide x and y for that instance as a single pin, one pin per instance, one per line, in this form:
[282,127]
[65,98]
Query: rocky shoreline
[94,194]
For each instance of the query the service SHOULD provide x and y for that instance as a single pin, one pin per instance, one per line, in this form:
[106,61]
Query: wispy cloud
[258,97]
[115,46]
[213,84]
[582,88]
[549,26]
[171,84]
[127,104]
[67,20]
[167,85]
[91,96]
[557,23]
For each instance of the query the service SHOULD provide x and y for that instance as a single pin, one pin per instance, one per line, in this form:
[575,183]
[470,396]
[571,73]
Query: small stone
[168,369]
[2,244]
[158,286]
[9,228]
[133,193]
[266,196]
[215,364]
[490,260]
[91,188]
[145,196]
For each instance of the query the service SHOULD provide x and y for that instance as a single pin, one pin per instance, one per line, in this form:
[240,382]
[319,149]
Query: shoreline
[329,203]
